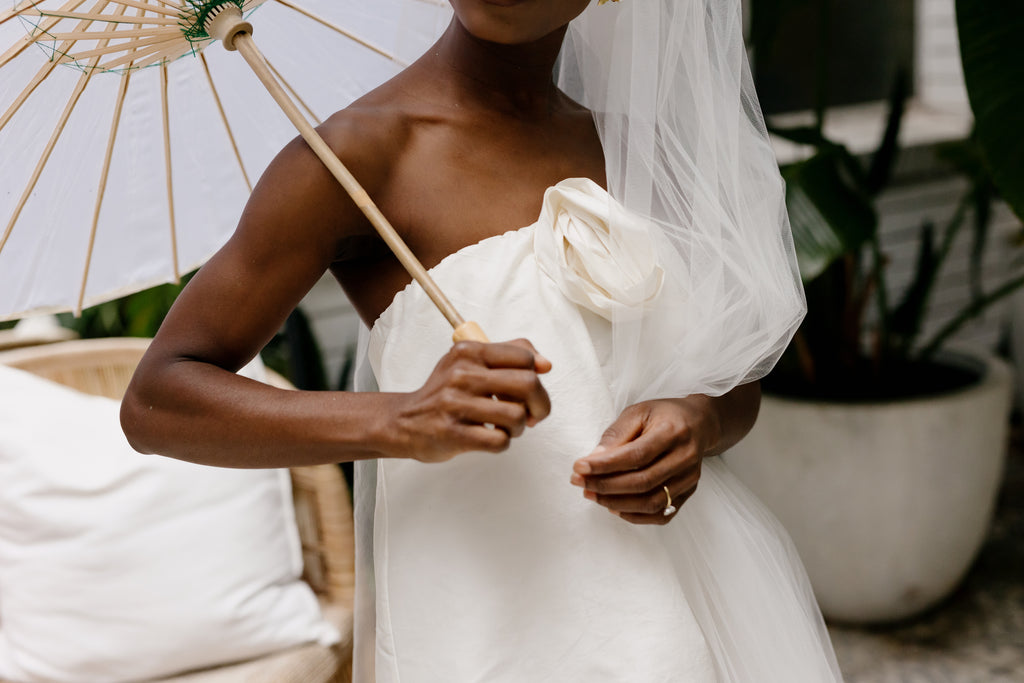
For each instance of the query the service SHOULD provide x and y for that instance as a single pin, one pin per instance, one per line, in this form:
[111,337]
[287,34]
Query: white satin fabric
[494,568]
[600,264]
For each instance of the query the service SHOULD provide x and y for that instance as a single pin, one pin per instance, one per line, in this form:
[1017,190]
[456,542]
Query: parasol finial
[199,17]
[223,21]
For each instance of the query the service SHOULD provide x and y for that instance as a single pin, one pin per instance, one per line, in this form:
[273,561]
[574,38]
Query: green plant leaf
[305,362]
[982,195]
[905,321]
[971,311]
[849,165]
[136,315]
[990,45]
[884,159]
[968,159]
[829,214]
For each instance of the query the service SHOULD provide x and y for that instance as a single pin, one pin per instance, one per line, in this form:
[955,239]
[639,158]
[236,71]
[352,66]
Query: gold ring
[669,507]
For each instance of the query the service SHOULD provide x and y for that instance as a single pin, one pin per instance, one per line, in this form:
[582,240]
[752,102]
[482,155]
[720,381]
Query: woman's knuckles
[496,442]
[449,400]
[466,350]
[461,375]
[670,430]
[517,416]
[615,434]
[638,455]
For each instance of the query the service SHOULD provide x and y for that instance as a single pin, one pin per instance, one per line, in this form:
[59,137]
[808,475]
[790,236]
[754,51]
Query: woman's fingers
[673,464]
[481,438]
[508,370]
[637,454]
[650,507]
[651,446]
[540,363]
[518,353]
[521,386]
[656,519]
[477,398]
[509,416]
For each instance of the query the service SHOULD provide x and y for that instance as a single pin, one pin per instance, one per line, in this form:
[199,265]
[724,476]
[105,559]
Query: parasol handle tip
[225,23]
[469,331]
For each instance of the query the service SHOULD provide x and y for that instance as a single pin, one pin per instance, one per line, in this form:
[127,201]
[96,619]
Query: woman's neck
[512,80]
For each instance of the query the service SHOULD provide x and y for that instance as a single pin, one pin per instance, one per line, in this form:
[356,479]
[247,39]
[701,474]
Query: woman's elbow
[133,422]
[139,416]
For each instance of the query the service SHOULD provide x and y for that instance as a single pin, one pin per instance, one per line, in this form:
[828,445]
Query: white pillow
[117,566]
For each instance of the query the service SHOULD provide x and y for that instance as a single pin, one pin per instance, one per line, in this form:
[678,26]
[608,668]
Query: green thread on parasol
[125,40]
[196,13]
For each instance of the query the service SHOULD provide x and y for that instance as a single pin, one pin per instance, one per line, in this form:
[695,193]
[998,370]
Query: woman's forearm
[198,412]
[738,411]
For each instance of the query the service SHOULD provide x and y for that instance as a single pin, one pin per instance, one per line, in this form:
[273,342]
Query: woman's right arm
[186,402]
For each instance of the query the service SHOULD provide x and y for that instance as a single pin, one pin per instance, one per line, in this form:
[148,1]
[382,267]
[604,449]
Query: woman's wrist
[378,430]
[729,416]
[704,420]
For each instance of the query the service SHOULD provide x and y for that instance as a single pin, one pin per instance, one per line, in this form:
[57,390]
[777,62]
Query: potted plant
[879,449]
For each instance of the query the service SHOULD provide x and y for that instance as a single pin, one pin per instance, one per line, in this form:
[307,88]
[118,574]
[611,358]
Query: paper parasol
[121,136]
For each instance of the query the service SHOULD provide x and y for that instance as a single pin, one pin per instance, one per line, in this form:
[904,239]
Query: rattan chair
[323,510]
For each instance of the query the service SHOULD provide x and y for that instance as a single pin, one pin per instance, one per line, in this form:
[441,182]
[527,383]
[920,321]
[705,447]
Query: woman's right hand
[478,398]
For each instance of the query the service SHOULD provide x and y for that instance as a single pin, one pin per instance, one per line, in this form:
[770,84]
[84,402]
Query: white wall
[938,73]
[903,210]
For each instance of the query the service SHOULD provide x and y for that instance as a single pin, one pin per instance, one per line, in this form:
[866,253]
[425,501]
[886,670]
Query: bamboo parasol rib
[224,119]
[104,177]
[291,91]
[43,27]
[338,29]
[83,81]
[158,32]
[164,109]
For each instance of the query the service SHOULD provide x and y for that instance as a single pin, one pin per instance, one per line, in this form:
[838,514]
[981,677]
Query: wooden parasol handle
[236,34]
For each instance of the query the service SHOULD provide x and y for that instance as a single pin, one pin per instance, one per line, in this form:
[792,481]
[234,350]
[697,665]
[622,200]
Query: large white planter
[889,503]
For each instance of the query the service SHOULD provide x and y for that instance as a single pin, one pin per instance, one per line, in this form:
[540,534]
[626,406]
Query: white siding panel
[938,73]
[903,210]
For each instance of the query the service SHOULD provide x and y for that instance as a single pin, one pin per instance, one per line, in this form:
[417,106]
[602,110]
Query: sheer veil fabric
[685,146]
[687,155]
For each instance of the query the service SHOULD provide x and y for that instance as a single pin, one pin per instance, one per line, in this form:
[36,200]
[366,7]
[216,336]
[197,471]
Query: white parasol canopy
[125,160]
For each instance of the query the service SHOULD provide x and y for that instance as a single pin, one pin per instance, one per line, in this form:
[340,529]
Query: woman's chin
[515,22]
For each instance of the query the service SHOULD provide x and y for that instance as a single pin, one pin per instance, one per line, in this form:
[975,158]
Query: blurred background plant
[859,342]
[136,315]
[293,352]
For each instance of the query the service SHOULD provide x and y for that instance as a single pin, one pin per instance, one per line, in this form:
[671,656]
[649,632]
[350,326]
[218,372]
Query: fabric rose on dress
[599,254]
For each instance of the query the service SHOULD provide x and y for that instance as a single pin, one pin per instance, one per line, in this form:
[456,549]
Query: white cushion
[118,566]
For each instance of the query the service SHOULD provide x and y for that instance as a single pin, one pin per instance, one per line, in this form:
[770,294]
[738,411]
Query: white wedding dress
[494,568]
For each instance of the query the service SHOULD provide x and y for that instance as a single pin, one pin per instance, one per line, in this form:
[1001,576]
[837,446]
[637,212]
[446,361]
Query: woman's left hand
[652,445]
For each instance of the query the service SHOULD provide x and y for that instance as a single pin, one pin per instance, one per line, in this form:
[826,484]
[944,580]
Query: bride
[551,509]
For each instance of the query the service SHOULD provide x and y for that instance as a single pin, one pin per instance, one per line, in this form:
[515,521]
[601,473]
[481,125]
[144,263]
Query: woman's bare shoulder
[371,134]
[298,195]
